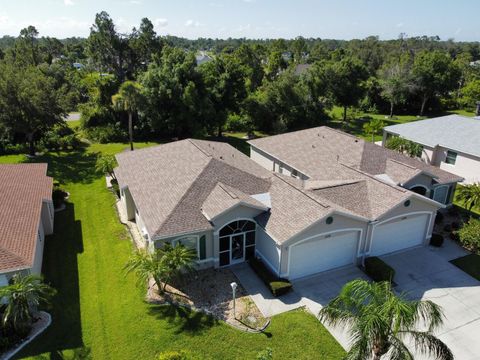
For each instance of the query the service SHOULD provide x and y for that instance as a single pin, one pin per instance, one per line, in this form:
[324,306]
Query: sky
[327,19]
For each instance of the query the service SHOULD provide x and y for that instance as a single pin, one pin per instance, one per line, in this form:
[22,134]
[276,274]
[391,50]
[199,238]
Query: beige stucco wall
[273,164]
[422,180]
[428,155]
[37,263]
[128,203]
[268,250]
[466,166]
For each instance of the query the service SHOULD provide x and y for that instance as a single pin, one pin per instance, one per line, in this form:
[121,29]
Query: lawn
[102,312]
[469,264]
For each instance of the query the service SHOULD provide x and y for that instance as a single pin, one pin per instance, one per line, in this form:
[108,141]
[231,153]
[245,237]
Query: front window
[451,157]
[190,242]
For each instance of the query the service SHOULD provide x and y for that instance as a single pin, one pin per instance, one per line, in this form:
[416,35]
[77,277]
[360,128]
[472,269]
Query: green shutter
[203,247]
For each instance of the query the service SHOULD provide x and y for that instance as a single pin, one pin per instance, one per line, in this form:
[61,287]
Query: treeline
[240,84]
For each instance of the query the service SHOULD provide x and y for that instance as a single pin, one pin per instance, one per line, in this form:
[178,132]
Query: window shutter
[203,247]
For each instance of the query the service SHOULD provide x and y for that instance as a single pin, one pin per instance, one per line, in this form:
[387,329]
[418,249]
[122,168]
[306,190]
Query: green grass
[102,312]
[469,264]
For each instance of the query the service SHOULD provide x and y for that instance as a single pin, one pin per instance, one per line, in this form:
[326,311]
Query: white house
[26,216]
[212,198]
[451,143]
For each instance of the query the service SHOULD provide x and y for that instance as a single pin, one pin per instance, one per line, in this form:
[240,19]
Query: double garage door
[323,253]
[398,235]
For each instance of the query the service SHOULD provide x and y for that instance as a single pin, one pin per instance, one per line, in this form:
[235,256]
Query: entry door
[238,248]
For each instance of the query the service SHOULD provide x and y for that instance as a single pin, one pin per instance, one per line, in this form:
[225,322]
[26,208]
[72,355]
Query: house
[202,57]
[227,207]
[26,216]
[451,143]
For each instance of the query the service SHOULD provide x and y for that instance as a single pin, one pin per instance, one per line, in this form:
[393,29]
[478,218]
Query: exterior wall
[340,222]
[37,262]
[209,252]
[428,155]
[141,225]
[268,250]
[466,166]
[48,217]
[128,203]
[273,164]
[422,179]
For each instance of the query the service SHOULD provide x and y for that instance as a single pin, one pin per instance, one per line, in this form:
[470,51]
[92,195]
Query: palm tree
[373,127]
[22,298]
[469,195]
[129,98]
[163,265]
[380,322]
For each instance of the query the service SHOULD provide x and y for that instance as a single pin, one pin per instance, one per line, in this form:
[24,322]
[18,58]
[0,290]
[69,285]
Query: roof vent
[338,158]
[313,146]
[221,157]
[356,140]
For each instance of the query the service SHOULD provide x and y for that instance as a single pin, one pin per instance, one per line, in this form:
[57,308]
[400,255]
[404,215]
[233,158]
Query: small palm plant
[22,299]
[373,127]
[105,164]
[162,266]
[129,98]
[380,322]
[469,195]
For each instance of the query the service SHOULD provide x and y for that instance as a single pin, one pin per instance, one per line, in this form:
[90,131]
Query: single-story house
[212,198]
[26,216]
[451,143]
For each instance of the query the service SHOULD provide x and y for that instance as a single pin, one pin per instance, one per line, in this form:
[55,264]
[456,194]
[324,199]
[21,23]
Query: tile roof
[318,152]
[455,132]
[23,188]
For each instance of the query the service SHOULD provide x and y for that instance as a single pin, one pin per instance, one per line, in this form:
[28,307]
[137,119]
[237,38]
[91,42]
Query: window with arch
[236,242]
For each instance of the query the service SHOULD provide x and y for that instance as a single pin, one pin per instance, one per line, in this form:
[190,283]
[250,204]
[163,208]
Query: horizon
[251,19]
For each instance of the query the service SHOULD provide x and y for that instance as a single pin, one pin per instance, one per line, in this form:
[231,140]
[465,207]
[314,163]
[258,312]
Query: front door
[237,246]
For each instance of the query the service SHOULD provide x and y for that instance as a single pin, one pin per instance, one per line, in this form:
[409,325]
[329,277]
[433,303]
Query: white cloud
[135,2]
[160,23]
[68,2]
[192,23]
[458,31]
[400,24]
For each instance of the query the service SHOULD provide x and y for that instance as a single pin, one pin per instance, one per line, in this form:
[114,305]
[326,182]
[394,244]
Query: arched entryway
[236,242]
[419,189]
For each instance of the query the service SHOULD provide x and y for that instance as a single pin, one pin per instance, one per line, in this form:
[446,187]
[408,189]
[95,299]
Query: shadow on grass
[70,167]
[60,269]
[182,319]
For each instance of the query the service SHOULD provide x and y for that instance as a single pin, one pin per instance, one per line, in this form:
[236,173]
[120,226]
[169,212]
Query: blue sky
[339,19]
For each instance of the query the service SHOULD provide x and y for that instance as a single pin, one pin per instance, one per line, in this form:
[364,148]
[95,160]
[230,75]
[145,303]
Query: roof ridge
[199,148]
[402,163]
[301,191]
[343,133]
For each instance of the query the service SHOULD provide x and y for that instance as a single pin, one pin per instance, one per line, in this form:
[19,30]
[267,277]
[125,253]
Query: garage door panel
[323,253]
[398,235]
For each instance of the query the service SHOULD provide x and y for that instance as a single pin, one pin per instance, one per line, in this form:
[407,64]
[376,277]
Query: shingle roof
[23,188]
[318,152]
[453,132]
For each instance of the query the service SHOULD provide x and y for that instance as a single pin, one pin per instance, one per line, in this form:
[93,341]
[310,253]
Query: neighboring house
[451,143]
[301,69]
[322,153]
[26,216]
[212,198]
[202,57]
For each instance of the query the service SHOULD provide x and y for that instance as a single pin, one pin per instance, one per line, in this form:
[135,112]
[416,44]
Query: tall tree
[29,102]
[252,63]
[144,43]
[345,82]
[434,74]
[27,45]
[380,322]
[395,81]
[225,84]
[129,98]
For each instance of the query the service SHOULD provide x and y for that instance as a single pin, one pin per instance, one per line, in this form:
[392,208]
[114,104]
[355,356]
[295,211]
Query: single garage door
[323,253]
[399,235]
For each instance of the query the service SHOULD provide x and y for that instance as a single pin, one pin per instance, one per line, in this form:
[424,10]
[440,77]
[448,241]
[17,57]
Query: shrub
[265,354]
[60,137]
[455,225]
[447,228]
[439,218]
[436,240]
[454,236]
[173,355]
[105,134]
[378,270]
[236,122]
[469,235]
[277,285]
[115,187]
[58,197]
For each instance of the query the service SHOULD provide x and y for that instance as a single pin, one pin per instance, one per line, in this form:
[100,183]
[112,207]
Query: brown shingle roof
[23,188]
[315,151]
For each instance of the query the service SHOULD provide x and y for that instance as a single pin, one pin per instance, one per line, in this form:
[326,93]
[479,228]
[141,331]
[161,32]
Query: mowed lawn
[100,311]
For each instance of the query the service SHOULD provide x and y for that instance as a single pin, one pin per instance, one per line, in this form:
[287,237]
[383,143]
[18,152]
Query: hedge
[277,285]
[378,270]
[436,240]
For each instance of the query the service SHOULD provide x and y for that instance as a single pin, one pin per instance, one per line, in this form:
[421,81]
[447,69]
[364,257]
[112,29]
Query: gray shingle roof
[319,152]
[455,132]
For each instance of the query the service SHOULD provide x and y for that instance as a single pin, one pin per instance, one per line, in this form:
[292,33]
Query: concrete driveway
[426,273]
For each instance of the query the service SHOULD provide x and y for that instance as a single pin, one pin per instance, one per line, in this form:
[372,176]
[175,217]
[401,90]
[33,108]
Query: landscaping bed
[209,291]
[469,264]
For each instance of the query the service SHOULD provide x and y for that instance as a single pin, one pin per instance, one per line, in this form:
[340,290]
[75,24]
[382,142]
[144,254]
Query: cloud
[68,2]
[192,23]
[160,23]
[458,31]
[400,24]
[135,2]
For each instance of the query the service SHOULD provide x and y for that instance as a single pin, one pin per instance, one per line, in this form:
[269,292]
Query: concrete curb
[33,334]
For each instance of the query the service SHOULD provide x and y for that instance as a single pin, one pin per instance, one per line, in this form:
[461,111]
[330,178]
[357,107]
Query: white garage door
[398,235]
[323,253]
